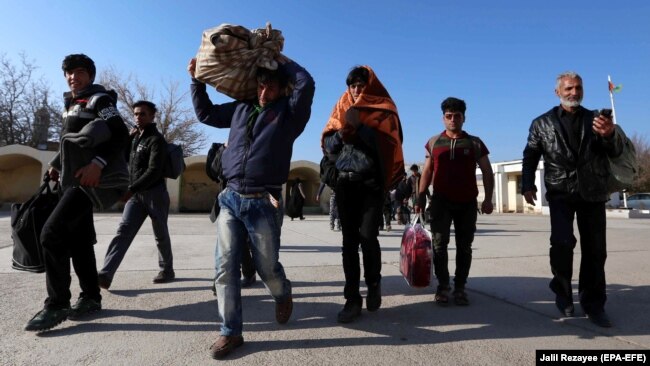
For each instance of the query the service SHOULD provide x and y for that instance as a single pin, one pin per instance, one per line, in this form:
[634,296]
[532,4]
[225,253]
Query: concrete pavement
[510,316]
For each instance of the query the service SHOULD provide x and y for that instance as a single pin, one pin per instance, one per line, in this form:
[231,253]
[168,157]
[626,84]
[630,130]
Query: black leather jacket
[567,171]
[147,159]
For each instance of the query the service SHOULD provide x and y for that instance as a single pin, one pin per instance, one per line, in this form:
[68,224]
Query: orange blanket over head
[378,111]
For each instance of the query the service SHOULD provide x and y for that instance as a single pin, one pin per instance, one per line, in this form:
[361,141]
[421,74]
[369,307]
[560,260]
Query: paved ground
[511,313]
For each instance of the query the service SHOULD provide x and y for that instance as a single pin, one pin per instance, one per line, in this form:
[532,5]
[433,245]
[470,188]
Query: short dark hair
[415,168]
[265,76]
[146,103]
[358,73]
[71,62]
[454,105]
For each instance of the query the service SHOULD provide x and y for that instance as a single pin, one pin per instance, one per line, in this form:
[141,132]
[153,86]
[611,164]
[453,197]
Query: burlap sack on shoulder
[230,55]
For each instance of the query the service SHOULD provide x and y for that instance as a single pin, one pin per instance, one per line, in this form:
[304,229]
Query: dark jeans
[360,209]
[463,215]
[68,233]
[592,227]
[153,203]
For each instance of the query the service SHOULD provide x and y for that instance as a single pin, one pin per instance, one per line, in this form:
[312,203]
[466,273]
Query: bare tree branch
[25,110]
[176,121]
[642,182]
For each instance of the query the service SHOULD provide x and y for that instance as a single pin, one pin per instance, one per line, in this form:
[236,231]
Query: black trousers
[69,233]
[360,209]
[592,227]
[463,215]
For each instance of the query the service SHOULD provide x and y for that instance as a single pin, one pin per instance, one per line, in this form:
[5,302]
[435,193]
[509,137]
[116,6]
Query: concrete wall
[309,174]
[507,198]
[197,192]
[21,172]
[22,167]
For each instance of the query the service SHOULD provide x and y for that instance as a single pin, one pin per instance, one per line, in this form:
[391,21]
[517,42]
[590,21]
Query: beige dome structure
[22,169]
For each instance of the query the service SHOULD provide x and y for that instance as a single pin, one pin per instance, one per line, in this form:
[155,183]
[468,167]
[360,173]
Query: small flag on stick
[612,89]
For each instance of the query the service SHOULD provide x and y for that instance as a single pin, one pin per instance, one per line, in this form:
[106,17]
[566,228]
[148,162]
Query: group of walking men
[364,135]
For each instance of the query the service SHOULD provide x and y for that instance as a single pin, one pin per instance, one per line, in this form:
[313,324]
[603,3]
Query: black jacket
[78,113]
[147,159]
[567,171]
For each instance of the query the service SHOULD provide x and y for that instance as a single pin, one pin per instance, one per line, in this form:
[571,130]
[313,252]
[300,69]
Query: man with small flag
[575,143]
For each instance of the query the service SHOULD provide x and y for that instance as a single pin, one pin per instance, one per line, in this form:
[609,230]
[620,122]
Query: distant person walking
[296,200]
[414,181]
[335,221]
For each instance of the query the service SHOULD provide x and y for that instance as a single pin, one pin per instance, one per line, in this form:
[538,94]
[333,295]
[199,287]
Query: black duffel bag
[27,220]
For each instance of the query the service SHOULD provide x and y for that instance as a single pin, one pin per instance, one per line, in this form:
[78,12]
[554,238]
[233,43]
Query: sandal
[460,298]
[442,296]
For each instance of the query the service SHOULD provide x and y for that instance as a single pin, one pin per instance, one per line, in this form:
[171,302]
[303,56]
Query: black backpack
[328,171]
[175,163]
[213,162]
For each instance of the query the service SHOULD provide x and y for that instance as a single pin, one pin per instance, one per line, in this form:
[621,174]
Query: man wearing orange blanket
[365,135]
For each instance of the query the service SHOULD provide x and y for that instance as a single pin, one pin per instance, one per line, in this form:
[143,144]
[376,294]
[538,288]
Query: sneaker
[373,300]
[460,297]
[283,310]
[46,319]
[442,295]
[224,345]
[103,281]
[332,227]
[247,281]
[388,228]
[351,310]
[164,277]
[84,306]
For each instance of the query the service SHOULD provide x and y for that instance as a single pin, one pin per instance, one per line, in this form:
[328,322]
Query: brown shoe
[283,310]
[224,345]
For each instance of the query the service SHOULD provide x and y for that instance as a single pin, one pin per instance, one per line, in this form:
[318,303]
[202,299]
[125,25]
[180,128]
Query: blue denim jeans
[257,218]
